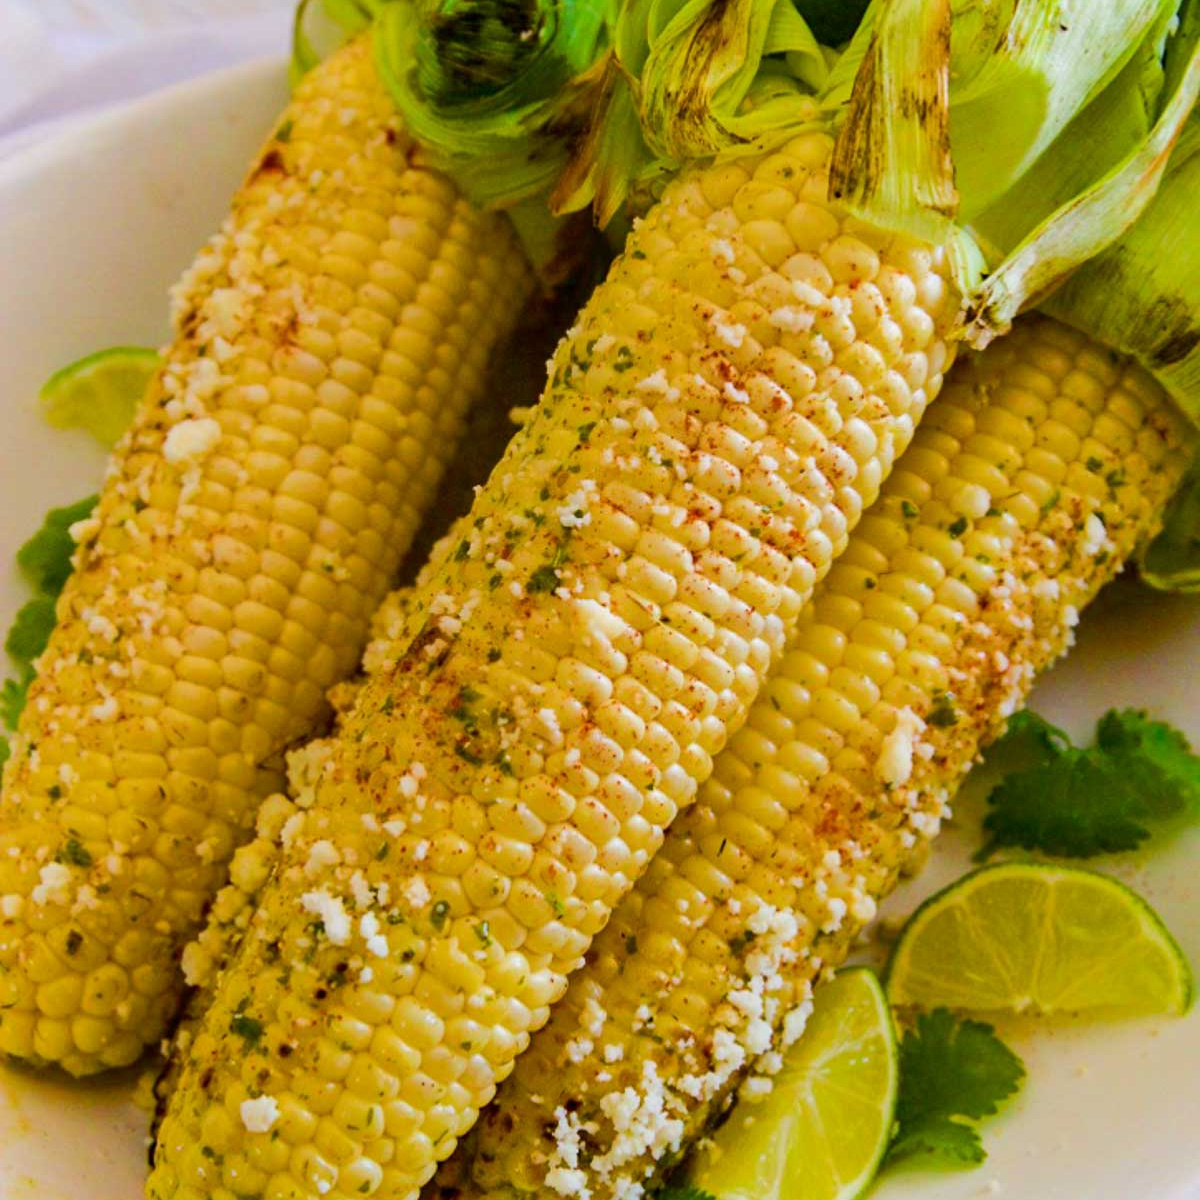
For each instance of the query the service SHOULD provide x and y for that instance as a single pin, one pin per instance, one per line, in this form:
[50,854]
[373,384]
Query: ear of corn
[327,344]
[730,400]
[233,909]
[1043,463]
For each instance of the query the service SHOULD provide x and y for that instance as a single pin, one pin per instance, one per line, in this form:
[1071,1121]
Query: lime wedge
[823,1129]
[99,393]
[1028,937]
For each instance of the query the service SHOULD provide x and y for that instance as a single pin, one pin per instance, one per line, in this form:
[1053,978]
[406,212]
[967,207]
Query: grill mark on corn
[219,593]
[1027,442]
[607,663]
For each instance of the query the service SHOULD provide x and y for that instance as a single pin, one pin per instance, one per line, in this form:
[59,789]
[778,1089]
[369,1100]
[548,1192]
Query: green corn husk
[320,26]
[1024,135]
[1142,297]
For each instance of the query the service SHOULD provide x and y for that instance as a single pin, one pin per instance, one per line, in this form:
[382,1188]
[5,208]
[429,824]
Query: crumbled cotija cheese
[191,439]
[332,913]
[259,1115]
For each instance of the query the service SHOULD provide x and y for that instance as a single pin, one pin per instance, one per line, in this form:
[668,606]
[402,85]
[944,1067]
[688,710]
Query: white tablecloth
[61,57]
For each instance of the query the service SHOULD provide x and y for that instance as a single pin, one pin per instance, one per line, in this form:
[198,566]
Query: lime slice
[1025,937]
[100,392]
[823,1129]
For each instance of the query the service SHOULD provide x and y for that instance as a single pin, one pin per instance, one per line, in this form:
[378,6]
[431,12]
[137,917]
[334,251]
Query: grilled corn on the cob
[327,344]
[1042,464]
[730,400]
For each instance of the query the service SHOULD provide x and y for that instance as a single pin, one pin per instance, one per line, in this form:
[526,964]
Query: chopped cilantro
[1076,803]
[12,698]
[5,751]
[958,527]
[247,1028]
[684,1193]
[75,853]
[951,1073]
[944,712]
[544,579]
[439,913]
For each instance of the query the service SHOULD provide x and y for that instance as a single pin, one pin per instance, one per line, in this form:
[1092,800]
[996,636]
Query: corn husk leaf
[1142,297]
[1171,562]
[1102,211]
[1058,119]
[497,91]
[319,27]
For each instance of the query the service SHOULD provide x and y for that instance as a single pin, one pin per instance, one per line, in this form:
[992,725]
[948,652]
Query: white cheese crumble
[1095,536]
[659,383]
[1046,589]
[258,1116]
[332,913]
[10,906]
[377,943]
[732,335]
[291,830]
[791,320]
[416,892]
[837,914]
[191,440]
[53,886]
[321,854]
[895,763]
[574,513]
[722,251]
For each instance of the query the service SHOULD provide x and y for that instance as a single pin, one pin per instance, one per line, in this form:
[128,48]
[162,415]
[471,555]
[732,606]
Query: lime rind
[99,392]
[824,1130]
[1136,966]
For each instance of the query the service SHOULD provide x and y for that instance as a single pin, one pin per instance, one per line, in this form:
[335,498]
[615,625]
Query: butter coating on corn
[1043,463]
[731,398]
[327,343]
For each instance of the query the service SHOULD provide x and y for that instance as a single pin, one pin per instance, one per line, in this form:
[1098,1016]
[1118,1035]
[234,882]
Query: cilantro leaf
[30,630]
[1075,803]
[46,557]
[951,1073]
[686,1192]
[1153,756]
[12,698]
[46,560]
[5,751]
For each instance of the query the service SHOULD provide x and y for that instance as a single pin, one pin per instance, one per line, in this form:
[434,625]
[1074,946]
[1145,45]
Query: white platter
[94,226]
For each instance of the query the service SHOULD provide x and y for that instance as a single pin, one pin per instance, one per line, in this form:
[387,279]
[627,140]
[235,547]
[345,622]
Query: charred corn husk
[1043,463]
[730,400]
[327,343]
